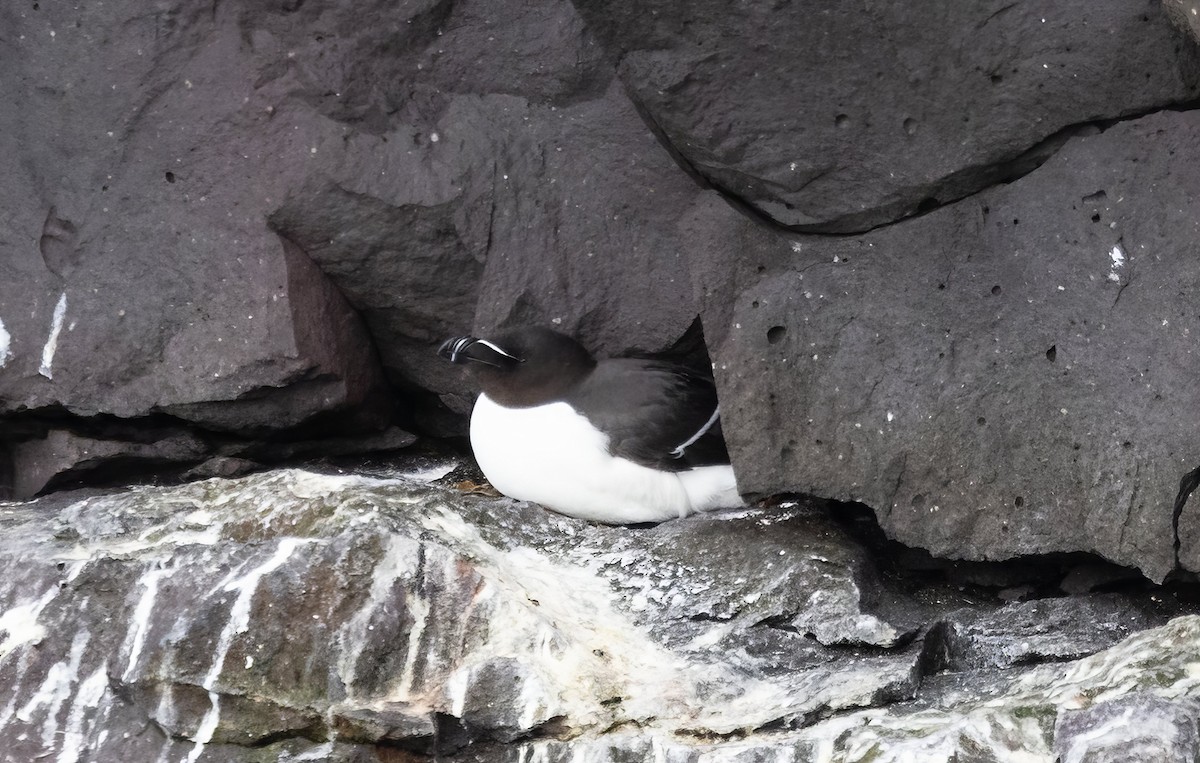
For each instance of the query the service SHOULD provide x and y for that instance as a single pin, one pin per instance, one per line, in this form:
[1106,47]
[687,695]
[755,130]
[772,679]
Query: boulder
[137,273]
[838,118]
[999,377]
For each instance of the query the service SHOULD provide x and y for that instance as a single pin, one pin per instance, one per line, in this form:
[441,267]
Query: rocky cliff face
[303,616]
[941,258]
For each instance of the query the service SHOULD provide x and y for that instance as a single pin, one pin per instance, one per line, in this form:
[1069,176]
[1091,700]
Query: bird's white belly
[551,455]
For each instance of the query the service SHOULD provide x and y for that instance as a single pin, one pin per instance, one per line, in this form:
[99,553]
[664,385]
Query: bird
[613,441]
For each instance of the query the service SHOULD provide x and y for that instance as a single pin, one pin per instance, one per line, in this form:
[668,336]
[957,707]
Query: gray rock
[63,456]
[500,176]
[172,181]
[1036,717]
[222,466]
[1047,320]
[1031,632]
[136,272]
[301,616]
[1185,14]
[293,604]
[495,230]
[841,117]
[1135,727]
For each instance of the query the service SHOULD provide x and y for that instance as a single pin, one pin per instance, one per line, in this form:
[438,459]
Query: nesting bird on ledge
[620,440]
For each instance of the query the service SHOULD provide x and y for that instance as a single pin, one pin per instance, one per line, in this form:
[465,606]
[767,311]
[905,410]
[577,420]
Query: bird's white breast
[551,455]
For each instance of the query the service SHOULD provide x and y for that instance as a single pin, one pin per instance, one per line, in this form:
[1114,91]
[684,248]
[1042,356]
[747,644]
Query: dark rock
[7,477]
[1087,577]
[890,368]
[1185,14]
[1134,727]
[136,271]
[1031,632]
[222,466]
[495,232]
[839,117]
[395,722]
[500,176]
[391,439]
[63,457]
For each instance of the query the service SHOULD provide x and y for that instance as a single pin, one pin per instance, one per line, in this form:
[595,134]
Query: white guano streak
[391,566]
[136,639]
[239,622]
[55,690]
[5,344]
[88,696]
[51,346]
[1117,255]
[20,624]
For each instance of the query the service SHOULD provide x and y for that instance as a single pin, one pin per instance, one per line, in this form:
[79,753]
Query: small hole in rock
[918,501]
[1052,353]
[981,421]
[928,204]
[775,334]
[941,286]
[842,120]
[996,289]
[1096,217]
[1019,501]
[170,177]
[1127,445]
[1016,221]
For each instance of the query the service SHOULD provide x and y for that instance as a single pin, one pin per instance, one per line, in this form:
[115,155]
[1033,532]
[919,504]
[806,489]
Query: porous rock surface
[942,258]
[839,117]
[997,377]
[303,616]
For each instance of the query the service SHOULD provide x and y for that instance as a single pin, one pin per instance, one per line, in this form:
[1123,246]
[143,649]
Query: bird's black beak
[452,348]
[468,349]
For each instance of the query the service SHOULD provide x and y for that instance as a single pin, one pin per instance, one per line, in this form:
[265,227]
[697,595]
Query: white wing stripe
[678,452]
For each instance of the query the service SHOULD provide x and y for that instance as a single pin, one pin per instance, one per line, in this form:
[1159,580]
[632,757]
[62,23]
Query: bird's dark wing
[655,413]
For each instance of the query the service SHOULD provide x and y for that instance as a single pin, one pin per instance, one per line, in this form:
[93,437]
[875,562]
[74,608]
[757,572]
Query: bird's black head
[523,367]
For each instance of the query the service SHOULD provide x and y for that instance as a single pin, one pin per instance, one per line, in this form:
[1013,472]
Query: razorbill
[621,440]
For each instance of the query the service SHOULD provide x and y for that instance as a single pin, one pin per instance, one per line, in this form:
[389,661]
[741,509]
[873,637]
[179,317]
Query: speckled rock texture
[998,377]
[303,616]
[837,117]
[943,258]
